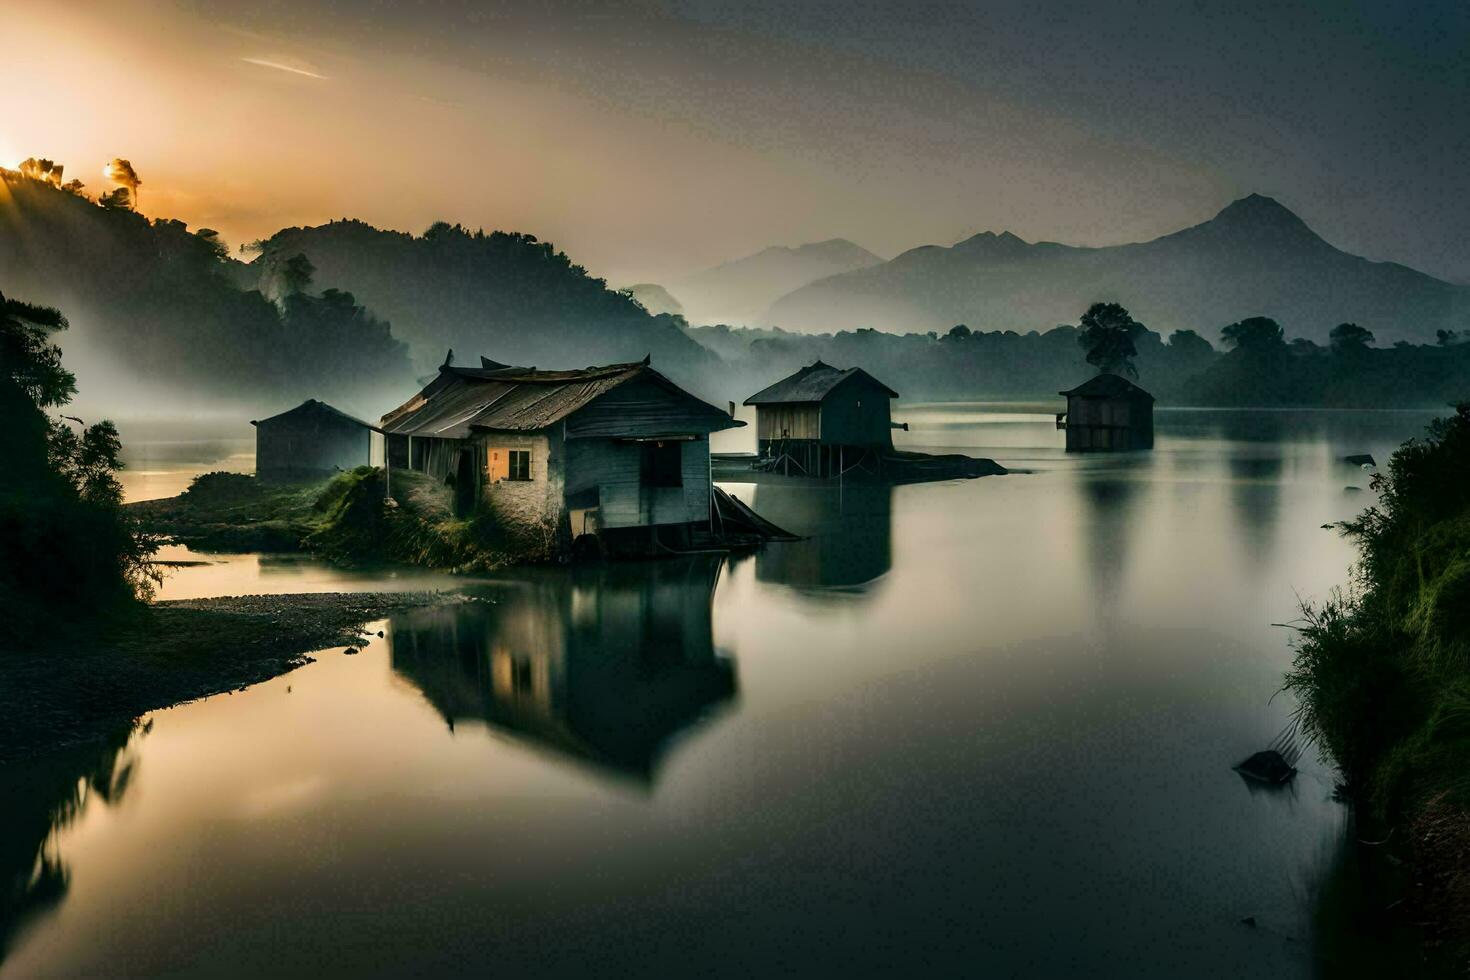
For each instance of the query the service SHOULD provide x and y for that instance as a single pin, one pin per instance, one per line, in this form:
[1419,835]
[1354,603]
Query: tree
[959,332]
[216,245]
[1349,338]
[1448,338]
[1190,344]
[1108,336]
[64,539]
[296,274]
[121,171]
[1257,334]
[116,199]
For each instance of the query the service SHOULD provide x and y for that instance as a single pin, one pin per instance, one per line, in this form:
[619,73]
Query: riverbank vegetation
[1382,669]
[347,519]
[68,550]
[82,650]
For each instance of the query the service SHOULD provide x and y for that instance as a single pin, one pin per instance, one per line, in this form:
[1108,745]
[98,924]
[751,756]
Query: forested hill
[158,316]
[504,295]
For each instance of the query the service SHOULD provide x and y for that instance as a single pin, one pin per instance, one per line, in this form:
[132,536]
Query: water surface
[977,726]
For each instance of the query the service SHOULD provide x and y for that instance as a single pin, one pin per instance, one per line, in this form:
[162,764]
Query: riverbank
[348,519]
[1382,673]
[88,682]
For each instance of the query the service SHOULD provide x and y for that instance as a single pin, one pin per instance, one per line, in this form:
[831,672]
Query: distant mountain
[505,295]
[740,292]
[1254,258]
[655,298]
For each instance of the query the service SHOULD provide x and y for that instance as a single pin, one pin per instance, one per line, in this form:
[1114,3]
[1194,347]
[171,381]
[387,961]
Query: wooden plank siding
[789,421]
[615,469]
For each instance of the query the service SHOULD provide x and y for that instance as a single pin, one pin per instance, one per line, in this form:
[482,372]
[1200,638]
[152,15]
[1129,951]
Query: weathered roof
[313,407]
[812,383]
[1107,386]
[525,399]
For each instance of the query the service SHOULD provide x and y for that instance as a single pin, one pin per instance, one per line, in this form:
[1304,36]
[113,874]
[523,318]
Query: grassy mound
[348,519]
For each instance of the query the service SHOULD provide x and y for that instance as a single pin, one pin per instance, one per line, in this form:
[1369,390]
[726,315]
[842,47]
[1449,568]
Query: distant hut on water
[310,440]
[1108,414]
[822,418]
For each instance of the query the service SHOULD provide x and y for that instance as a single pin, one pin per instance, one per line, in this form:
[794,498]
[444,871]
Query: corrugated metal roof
[812,383]
[313,407]
[1107,386]
[524,399]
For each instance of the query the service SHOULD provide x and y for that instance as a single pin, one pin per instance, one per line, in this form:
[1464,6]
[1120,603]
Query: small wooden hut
[1108,414]
[606,451]
[309,440]
[812,419]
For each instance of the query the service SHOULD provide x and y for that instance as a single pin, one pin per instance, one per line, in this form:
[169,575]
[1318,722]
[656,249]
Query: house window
[661,464]
[520,464]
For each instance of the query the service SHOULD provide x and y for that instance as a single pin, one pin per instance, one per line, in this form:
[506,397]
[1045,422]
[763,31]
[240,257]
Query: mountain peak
[1259,211]
[992,243]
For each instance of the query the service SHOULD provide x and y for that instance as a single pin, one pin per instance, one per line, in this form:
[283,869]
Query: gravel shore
[88,683]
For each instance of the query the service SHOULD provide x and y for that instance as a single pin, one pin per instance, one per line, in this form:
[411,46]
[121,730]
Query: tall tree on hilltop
[1108,336]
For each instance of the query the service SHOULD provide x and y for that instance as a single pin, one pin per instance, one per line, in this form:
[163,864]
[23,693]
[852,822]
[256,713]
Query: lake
[980,727]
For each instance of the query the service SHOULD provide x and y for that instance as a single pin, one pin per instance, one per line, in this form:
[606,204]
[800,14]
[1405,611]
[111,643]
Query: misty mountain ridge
[740,291]
[1254,258]
[507,295]
[159,317]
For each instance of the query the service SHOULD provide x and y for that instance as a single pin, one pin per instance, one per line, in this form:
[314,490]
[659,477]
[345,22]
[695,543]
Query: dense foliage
[1259,368]
[505,295]
[1383,670]
[155,300]
[65,542]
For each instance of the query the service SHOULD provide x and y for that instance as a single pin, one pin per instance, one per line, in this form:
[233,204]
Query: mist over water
[977,726]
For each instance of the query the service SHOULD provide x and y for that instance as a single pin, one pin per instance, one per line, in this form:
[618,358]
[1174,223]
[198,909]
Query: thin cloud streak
[280,67]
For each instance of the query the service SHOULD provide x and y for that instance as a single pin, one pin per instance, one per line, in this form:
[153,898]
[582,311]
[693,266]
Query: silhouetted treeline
[505,295]
[165,304]
[1184,369]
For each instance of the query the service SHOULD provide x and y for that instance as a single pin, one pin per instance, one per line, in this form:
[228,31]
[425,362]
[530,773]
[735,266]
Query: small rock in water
[380,632]
[1352,489]
[350,651]
[1359,459]
[1267,767]
[1249,920]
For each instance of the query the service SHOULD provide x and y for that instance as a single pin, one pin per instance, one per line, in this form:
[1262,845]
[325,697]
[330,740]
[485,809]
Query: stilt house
[616,451]
[1108,414]
[309,440]
[821,416]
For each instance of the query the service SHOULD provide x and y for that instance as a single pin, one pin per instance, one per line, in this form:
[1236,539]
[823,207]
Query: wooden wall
[615,469]
[802,421]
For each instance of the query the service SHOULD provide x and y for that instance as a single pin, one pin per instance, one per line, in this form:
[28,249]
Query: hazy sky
[667,136]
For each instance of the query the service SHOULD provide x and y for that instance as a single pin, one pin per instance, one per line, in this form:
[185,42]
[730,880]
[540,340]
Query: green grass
[1382,670]
[346,519]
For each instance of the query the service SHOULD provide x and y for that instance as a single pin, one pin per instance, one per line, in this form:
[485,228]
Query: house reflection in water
[848,532]
[608,664]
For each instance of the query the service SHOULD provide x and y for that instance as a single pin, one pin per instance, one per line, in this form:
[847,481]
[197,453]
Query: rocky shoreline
[84,683]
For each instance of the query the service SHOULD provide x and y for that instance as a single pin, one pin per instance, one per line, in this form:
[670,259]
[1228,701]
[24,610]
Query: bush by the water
[68,550]
[1383,669]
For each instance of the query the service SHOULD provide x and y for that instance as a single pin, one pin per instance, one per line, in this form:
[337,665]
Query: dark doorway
[464,484]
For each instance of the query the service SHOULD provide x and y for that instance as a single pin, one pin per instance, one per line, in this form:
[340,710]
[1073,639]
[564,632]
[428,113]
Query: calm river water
[980,727]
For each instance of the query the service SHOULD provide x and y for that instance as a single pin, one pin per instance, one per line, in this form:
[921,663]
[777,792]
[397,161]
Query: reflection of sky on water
[981,726]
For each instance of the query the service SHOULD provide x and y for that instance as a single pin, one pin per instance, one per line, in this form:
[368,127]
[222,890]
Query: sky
[650,139]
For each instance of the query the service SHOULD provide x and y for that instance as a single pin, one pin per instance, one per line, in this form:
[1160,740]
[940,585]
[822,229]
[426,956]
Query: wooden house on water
[1108,414]
[310,440]
[822,419]
[620,451]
